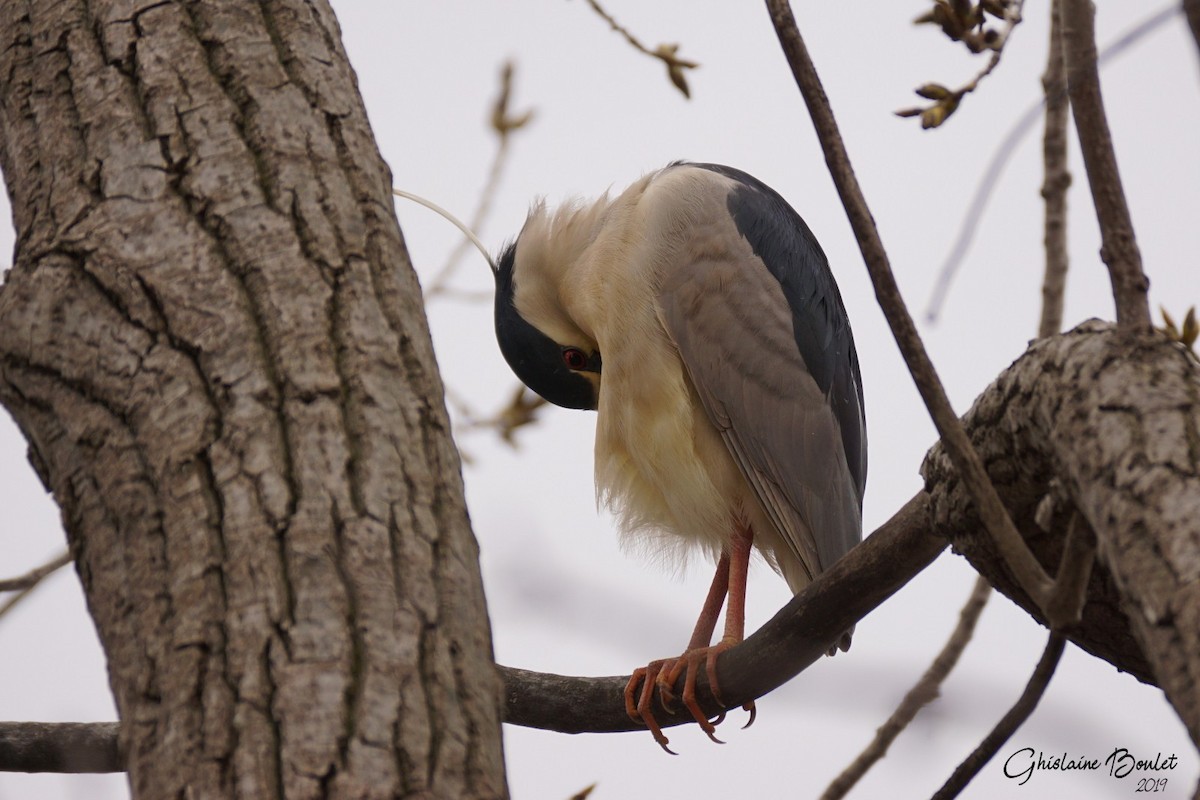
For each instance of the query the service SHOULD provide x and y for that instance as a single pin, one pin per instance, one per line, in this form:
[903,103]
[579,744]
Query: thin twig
[31,578]
[503,123]
[664,52]
[966,461]
[920,695]
[1056,180]
[1074,572]
[948,100]
[1192,9]
[1009,723]
[1003,154]
[1119,248]
[1072,583]
[1012,18]
[520,411]
[27,583]
[584,793]
[461,295]
[974,214]
[12,602]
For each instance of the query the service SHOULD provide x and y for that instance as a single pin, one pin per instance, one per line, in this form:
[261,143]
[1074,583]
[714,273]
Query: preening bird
[697,315]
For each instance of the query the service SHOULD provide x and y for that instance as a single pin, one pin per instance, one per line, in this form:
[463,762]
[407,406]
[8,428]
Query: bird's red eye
[574,358]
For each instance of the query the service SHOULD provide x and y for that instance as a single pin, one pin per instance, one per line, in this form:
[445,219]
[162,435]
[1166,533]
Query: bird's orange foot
[663,674]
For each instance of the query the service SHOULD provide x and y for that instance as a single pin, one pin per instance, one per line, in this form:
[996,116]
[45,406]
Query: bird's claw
[639,711]
[664,674]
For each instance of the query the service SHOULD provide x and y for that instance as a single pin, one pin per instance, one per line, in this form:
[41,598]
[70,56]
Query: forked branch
[1030,574]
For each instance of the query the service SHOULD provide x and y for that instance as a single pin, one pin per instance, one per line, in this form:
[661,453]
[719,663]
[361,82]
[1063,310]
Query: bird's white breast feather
[595,270]
[661,465]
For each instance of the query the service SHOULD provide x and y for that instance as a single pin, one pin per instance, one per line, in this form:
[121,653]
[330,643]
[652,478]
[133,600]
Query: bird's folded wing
[734,330]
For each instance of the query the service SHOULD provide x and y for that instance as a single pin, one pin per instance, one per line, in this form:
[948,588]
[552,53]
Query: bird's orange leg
[735,614]
[729,580]
[647,677]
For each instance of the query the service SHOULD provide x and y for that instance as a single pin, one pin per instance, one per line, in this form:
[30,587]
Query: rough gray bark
[1105,423]
[214,343]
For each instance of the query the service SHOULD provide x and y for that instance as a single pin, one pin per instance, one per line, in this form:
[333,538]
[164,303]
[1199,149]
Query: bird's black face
[545,366]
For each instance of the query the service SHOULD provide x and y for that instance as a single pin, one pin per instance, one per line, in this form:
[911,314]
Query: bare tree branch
[971,32]
[503,123]
[924,692]
[1073,418]
[1054,190]
[1058,373]
[664,52]
[1009,723]
[584,793]
[12,602]
[1119,247]
[974,213]
[25,584]
[1056,181]
[71,747]
[34,576]
[1192,9]
[995,519]
[1003,154]
[794,638]
[1075,566]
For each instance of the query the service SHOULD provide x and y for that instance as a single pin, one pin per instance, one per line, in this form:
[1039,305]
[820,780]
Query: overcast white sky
[562,596]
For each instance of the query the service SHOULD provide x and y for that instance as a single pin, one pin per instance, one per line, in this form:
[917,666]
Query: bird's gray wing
[767,345]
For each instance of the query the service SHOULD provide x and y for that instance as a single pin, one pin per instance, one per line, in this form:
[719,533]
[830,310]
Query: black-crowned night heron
[697,315]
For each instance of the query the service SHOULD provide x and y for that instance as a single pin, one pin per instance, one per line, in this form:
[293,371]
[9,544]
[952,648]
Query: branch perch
[64,747]
[797,636]
[1062,373]
[794,638]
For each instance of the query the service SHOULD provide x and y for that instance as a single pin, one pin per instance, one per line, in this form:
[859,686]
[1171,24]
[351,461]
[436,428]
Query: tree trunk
[1105,424]
[215,345]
